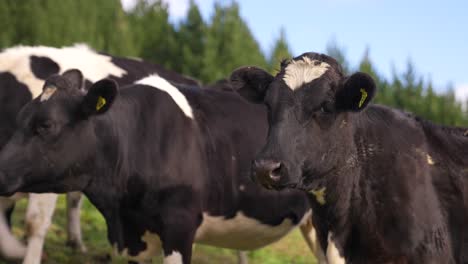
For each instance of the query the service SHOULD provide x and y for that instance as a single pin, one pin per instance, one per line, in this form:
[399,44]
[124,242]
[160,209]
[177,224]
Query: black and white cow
[166,165]
[23,70]
[386,186]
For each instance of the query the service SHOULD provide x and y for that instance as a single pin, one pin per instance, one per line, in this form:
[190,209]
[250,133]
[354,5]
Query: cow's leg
[10,247]
[242,257]
[310,236]
[180,217]
[177,238]
[38,219]
[9,214]
[74,238]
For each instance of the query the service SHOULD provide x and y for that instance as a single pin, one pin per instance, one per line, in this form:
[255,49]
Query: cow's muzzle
[267,172]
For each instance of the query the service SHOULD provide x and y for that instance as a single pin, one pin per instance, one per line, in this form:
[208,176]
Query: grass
[291,249]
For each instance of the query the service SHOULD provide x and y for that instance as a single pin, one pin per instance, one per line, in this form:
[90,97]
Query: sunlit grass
[291,249]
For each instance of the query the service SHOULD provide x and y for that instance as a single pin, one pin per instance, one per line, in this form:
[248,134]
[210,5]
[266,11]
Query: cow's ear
[100,97]
[251,83]
[357,91]
[75,78]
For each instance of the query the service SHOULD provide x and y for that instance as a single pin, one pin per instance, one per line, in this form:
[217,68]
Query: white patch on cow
[10,246]
[48,92]
[305,70]
[333,254]
[429,159]
[174,258]
[310,236]
[38,219]
[240,232]
[94,66]
[157,82]
[319,195]
[343,123]
[242,187]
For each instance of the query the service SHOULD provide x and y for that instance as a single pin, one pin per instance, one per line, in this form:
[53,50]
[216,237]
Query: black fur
[43,67]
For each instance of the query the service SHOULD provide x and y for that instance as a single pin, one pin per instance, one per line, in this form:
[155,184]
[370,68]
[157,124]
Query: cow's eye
[325,108]
[44,127]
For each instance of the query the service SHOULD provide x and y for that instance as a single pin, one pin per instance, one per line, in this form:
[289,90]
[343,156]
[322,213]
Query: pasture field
[290,250]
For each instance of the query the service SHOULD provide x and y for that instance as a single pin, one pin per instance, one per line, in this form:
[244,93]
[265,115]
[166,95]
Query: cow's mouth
[279,187]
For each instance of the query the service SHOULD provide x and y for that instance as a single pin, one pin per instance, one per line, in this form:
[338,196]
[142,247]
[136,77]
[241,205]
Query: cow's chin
[278,186]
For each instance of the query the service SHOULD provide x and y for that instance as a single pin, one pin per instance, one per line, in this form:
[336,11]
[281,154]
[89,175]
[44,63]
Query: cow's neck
[353,211]
[339,205]
[106,187]
[349,194]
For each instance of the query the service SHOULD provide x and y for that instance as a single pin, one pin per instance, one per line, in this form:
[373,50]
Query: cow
[386,186]
[23,70]
[166,164]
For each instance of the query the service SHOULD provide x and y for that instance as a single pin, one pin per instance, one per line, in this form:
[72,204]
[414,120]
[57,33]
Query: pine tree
[338,53]
[280,52]
[191,37]
[229,44]
[7,24]
[153,34]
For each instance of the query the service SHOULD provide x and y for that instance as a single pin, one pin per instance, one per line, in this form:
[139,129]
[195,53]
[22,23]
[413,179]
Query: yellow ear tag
[100,103]
[363,97]
[319,195]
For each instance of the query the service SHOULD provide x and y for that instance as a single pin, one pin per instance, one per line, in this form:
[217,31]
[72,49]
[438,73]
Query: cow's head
[309,104]
[54,137]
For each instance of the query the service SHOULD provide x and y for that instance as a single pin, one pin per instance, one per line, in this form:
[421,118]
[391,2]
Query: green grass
[291,249]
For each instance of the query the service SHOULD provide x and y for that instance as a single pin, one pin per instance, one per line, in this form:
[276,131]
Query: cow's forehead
[304,70]
[54,84]
[47,93]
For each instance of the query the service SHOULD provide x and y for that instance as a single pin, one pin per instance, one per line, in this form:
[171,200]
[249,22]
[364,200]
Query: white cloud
[461,92]
[177,8]
[127,4]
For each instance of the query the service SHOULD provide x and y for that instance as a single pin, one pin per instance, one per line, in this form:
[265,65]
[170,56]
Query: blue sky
[433,34]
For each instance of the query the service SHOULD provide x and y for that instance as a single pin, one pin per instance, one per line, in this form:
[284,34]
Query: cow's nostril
[275,174]
[268,170]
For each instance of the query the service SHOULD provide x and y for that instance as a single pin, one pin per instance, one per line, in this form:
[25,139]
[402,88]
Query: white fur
[310,236]
[333,255]
[157,82]
[10,247]
[38,219]
[240,232]
[74,201]
[47,93]
[302,71]
[93,65]
[174,258]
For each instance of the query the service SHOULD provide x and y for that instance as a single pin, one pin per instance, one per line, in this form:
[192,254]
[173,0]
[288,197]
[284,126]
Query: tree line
[207,50]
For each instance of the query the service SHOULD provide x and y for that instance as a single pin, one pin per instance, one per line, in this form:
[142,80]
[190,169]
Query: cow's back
[23,70]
